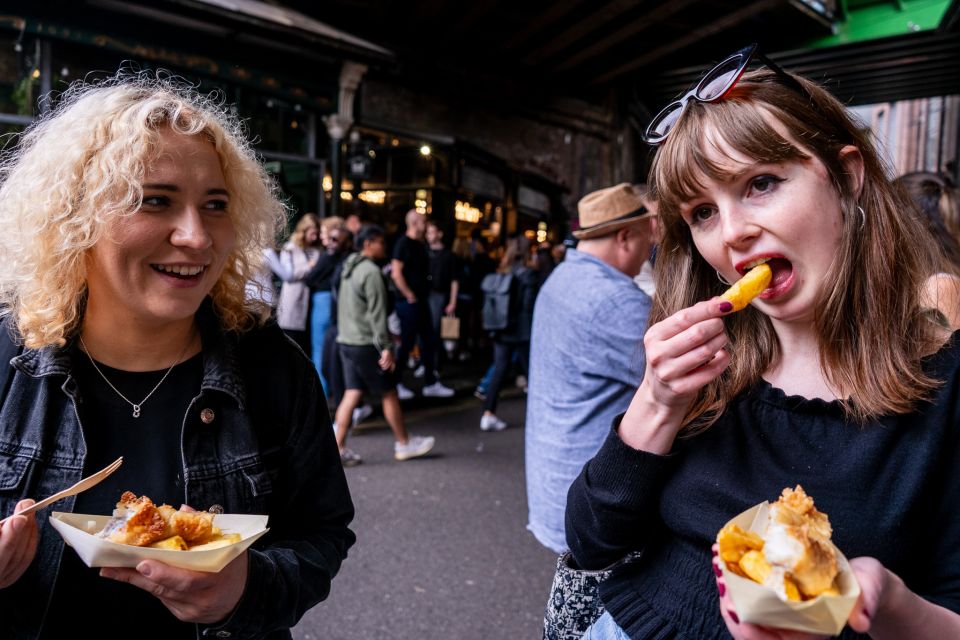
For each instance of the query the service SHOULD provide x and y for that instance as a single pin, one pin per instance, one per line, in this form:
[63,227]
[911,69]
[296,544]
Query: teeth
[751,265]
[179,270]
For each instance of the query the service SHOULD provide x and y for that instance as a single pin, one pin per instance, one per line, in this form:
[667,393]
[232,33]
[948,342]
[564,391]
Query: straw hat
[609,210]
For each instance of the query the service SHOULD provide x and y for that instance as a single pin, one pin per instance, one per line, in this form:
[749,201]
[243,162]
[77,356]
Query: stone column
[339,123]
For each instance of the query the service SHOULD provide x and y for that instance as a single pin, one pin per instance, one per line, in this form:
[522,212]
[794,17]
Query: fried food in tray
[139,522]
[794,556]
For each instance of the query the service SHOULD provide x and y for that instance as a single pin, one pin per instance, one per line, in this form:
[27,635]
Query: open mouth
[782,270]
[181,272]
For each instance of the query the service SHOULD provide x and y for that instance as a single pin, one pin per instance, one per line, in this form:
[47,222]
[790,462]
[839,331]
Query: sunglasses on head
[714,86]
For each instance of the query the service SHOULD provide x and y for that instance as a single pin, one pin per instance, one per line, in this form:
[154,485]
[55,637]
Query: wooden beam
[582,28]
[716,26]
[649,19]
[556,11]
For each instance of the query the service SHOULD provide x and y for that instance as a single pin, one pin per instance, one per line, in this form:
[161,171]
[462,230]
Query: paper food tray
[760,605]
[78,531]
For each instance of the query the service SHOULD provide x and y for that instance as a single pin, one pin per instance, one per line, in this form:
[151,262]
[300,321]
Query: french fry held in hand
[749,286]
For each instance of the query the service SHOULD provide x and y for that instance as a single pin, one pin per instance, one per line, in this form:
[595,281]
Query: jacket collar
[221,367]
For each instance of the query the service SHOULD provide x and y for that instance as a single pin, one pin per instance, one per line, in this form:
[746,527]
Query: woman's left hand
[192,596]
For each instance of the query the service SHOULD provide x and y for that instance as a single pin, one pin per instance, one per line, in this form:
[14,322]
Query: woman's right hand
[18,545]
[684,352]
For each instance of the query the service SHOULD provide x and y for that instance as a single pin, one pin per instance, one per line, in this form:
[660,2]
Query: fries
[749,286]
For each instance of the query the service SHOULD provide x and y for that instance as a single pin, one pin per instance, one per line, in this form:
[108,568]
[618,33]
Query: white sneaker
[361,413]
[350,458]
[404,393]
[416,446]
[492,423]
[419,372]
[437,390]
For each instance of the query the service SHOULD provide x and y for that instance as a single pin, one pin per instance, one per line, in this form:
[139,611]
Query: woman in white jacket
[295,260]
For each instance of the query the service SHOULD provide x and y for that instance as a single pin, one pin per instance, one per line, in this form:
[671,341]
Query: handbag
[449,328]
[574,603]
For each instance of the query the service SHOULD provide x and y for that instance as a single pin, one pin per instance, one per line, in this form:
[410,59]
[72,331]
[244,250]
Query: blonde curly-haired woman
[133,216]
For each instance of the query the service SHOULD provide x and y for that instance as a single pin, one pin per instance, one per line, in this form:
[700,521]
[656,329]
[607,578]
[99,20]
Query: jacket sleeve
[612,505]
[375,292]
[309,534]
[281,265]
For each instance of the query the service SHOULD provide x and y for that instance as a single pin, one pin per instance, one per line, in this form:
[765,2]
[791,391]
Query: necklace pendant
[136,411]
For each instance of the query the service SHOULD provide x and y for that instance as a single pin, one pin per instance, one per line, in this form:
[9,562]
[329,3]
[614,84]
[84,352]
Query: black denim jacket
[269,449]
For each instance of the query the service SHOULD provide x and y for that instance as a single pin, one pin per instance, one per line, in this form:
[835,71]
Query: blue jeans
[605,629]
[319,323]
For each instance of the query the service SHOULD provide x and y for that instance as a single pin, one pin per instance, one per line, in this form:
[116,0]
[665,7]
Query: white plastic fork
[80,487]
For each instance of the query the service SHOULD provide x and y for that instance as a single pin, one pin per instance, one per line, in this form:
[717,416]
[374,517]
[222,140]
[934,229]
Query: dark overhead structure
[647,51]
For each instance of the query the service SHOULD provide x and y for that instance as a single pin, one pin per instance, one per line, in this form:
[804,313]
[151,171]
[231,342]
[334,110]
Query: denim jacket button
[215,508]
[207,416]
[223,634]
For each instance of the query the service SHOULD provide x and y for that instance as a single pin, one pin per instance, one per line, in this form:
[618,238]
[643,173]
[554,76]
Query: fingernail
[726,307]
[107,573]
[17,523]
[714,552]
[722,588]
[866,614]
[144,569]
[733,616]
[716,570]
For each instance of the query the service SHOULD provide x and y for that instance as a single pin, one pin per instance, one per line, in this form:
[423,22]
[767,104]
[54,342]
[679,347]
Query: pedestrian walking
[444,285]
[835,378]
[366,350]
[319,279]
[509,297]
[296,259]
[586,356]
[409,269]
[133,215]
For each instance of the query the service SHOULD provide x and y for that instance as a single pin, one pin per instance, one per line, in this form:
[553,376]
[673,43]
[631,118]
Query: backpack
[497,289]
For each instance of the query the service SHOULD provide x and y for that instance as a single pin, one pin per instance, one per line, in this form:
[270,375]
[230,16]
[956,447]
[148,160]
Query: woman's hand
[684,352]
[18,544]
[192,596]
[746,631]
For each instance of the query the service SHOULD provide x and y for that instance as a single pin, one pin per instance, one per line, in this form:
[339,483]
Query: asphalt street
[442,550]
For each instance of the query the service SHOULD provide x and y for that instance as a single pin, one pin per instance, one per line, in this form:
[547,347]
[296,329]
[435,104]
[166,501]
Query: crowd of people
[139,224]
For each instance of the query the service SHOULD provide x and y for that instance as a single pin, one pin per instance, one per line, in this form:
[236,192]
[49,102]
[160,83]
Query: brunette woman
[836,377]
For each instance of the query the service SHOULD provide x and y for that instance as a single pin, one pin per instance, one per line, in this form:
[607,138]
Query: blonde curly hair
[81,167]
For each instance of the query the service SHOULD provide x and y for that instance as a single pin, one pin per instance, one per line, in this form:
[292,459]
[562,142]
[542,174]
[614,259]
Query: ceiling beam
[722,24]
[556,11]
[649,19]
[581,29]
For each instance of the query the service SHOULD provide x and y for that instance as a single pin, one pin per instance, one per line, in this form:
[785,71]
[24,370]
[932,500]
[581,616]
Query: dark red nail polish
[716,570]
[726,307]
[722,588]
[865,613]
[714,552]
[733,616]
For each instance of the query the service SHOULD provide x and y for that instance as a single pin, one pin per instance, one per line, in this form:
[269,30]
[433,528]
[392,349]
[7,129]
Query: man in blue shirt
[586,354]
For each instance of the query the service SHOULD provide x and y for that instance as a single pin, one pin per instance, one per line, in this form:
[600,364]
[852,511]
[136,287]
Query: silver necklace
[136,405]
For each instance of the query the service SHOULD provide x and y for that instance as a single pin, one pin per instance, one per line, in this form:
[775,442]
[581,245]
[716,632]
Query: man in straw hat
[586,355]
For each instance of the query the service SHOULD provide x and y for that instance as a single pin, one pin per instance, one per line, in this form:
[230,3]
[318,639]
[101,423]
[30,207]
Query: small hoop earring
[720,278]
[863,217]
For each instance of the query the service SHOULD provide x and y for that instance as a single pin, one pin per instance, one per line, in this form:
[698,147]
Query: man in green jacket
[366,349]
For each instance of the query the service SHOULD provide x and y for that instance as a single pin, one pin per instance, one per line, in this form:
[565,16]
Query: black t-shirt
[413,255]
[442,270]
[152,466]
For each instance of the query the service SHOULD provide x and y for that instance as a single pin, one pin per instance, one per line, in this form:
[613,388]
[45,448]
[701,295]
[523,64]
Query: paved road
[442,550]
